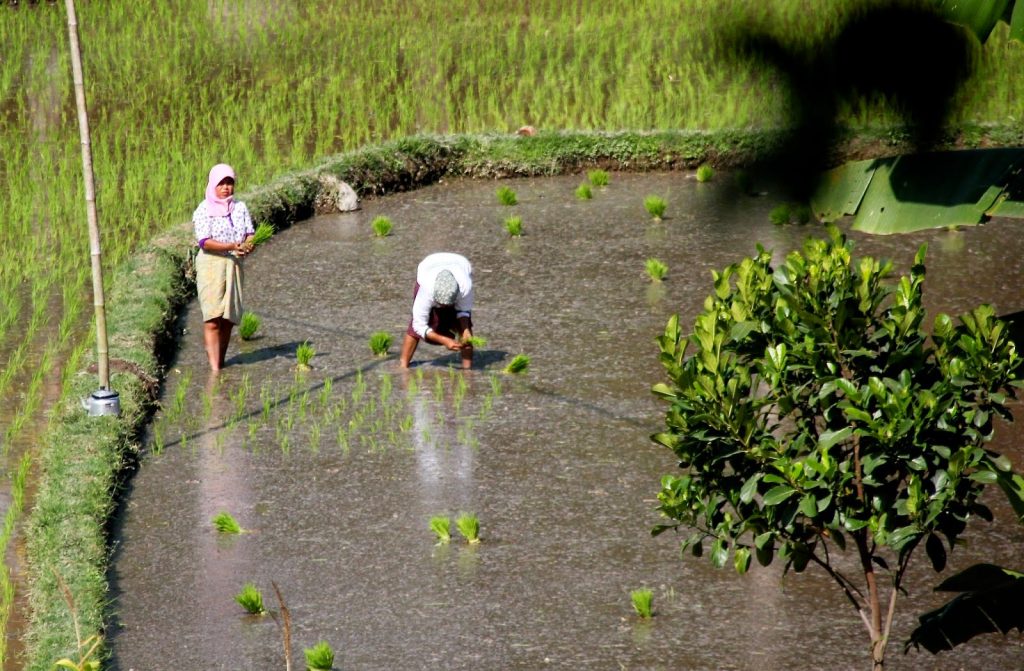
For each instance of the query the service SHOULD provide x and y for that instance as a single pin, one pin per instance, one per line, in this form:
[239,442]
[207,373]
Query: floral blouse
[235,227]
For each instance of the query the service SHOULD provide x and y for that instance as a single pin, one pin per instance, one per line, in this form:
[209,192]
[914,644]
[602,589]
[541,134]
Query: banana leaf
[980,16]
[918,191]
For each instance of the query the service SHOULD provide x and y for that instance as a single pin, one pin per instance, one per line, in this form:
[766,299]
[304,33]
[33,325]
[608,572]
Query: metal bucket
[102,402]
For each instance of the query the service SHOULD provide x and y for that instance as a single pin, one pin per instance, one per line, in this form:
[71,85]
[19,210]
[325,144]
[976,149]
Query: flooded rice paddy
[336,473]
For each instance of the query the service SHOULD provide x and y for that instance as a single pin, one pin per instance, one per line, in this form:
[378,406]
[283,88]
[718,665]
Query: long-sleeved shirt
[426,272]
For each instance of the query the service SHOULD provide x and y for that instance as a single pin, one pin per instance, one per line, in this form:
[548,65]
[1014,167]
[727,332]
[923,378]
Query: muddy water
[336,472]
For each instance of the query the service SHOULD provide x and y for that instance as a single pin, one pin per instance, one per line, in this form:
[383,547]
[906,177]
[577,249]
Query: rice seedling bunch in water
[656,269]
[381,226]
[441,525]
[304,354]
[469,526]
[584,192]
[474,341]
[506,196]
[801,213]
[251,599]
[264,232]
[249,325]
[655,206]
[514,226]
[226,524]
[642,599]
[780,214]
[380,342]
[598,178]
[705,173]
[320,657]
[518,364]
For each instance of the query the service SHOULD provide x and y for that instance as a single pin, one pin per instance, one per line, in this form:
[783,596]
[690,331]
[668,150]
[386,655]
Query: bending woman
[224,233]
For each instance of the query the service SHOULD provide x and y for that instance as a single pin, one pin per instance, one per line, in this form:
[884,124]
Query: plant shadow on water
[338,469]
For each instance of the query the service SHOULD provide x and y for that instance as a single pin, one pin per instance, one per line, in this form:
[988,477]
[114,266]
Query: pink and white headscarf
[219,207]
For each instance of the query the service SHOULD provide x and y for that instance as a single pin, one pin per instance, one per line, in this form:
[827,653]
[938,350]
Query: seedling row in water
[311,414]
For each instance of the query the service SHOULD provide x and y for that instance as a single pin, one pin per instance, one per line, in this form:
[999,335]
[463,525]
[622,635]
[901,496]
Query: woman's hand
[453,344]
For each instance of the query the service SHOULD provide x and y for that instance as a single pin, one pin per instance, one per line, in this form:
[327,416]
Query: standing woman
[224,232]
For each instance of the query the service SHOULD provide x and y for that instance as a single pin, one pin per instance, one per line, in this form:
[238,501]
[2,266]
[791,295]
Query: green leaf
[741,560]
[777,495]
[719,553]
[749,488]
[986,477]
[663,390]
[830,438]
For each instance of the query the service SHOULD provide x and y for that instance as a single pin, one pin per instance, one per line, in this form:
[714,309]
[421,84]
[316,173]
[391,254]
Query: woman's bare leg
[211,339]
[224,332]
[408,349]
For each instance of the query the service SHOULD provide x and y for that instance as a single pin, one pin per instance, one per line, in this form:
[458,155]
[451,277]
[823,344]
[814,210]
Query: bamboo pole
[90,200]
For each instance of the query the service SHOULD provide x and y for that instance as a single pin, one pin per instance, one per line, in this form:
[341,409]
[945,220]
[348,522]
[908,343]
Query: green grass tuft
[655,206]
[251,599]
[506,196]
[584,192]
[320,657]
[598,178]
[249,326]
[514,226]
[705,173]
[469,526]
[642,599]
[441,525]
[518,364]
[381,226]
[226,524]
[656,269]
[380,342]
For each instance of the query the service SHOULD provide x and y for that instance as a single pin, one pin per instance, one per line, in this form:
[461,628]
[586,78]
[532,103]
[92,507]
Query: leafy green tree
[815,415]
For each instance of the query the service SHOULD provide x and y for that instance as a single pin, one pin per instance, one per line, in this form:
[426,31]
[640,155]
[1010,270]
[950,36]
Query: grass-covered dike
[84,461]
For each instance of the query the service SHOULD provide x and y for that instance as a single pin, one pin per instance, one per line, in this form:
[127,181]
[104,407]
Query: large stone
[335,196]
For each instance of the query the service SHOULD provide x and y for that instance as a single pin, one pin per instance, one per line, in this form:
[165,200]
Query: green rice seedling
[584,192]
[469,526]
[386,386]
[226,524]
[441,525]
[158,438]
[325,392]
[780,214]
[495,385]
[518,364]
[264,231]
[476,341]
[249,326]
[320,657]
[267,401]
[380,342]
[802,213]
[656,269]
[655,206]
[251,599]
[598,178]
[381,226]
[314,437]
[704,173]
[506,196]
[642,599]
[405,424]
[304,354]
[514,226]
